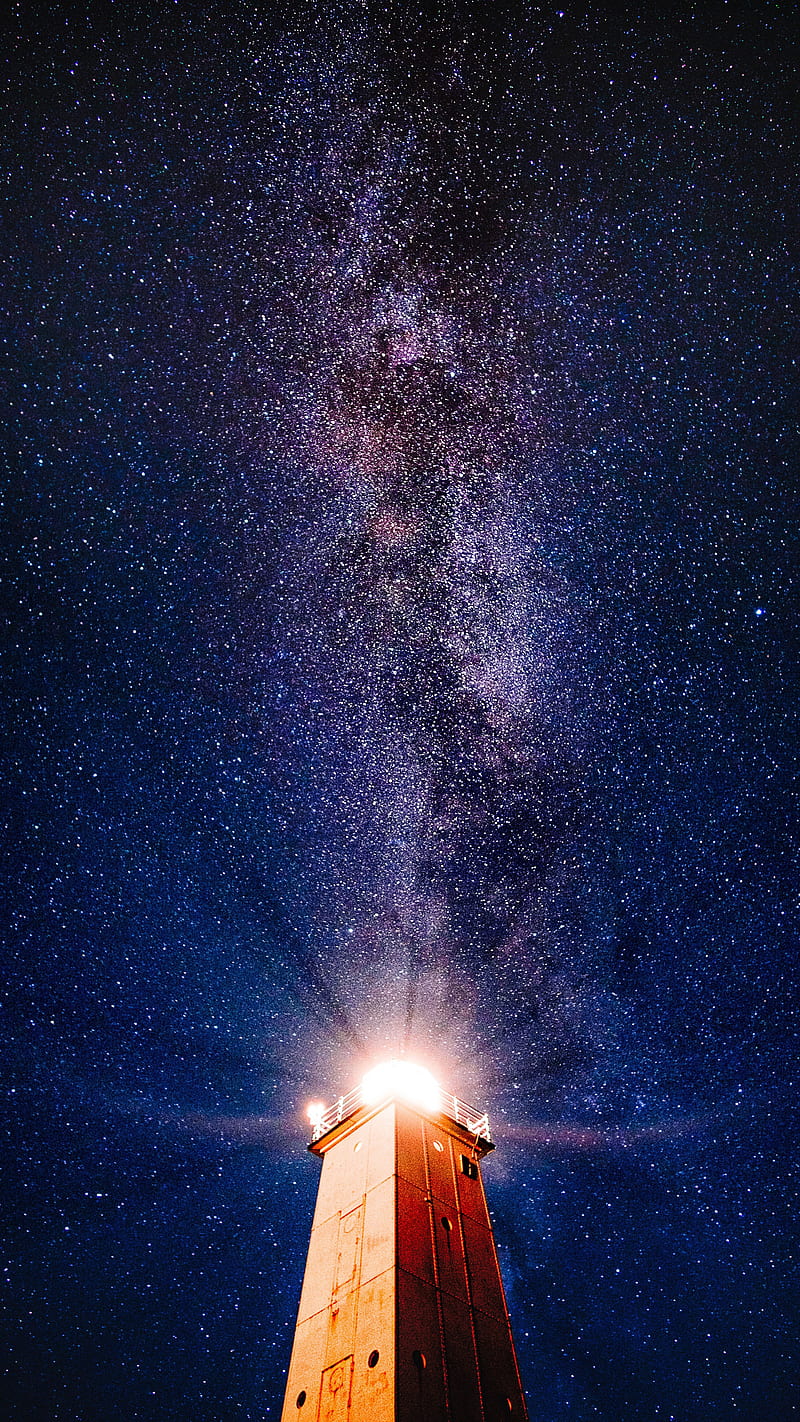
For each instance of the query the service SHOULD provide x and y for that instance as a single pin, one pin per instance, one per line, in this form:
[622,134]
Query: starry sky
[398,538]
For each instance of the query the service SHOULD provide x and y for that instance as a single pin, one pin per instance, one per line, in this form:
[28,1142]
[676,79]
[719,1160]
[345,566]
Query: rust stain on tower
[402,1315]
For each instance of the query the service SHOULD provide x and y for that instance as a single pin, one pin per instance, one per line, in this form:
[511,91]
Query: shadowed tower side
[402,1315]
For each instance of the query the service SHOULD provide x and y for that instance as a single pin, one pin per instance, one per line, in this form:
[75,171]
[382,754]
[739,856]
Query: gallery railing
[473,1120]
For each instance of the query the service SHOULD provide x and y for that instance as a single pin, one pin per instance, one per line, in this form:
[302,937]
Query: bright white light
[405,1081]
[315,1112]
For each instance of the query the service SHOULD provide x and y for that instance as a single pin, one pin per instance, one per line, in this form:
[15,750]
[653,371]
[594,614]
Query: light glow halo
[402,1081]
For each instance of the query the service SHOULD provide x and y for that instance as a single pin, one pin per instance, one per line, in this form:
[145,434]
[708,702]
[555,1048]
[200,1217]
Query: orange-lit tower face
[402,1315]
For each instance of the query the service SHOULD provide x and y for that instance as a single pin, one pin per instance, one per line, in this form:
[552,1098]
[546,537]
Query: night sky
[398,659]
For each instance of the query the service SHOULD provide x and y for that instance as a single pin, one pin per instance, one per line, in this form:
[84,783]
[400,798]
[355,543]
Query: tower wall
[402,1315]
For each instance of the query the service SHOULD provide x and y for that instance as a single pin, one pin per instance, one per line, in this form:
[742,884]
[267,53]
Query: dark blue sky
[398,622]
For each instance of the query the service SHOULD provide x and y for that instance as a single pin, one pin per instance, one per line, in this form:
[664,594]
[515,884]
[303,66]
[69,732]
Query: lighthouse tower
[402,1315]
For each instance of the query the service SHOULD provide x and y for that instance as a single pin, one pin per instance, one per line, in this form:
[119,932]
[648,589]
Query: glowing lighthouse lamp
[405,1081]
[402,1315]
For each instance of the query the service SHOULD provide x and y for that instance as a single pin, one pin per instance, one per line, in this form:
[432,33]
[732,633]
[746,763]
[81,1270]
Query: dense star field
[398,620]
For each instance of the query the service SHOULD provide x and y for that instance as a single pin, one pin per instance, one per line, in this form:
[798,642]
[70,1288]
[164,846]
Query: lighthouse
[402,1315]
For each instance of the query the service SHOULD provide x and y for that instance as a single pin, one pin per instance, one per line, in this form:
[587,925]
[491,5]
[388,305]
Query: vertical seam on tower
[468,1285]
[435,1263]
[358,1281]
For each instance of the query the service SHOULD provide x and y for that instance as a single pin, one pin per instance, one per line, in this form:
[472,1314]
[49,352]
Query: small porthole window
[372,1360]
[437,1145]
[446,1223]
[301,1397]
[419,1360]
[357,1146]
[469,1167]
